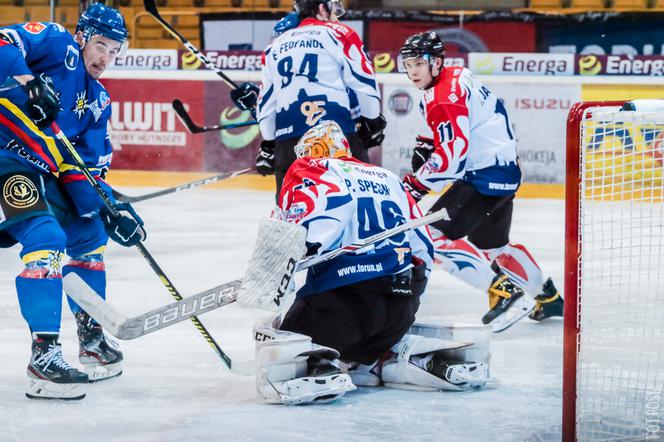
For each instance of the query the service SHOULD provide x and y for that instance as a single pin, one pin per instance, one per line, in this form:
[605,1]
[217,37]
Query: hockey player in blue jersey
[313,69]
[47,206]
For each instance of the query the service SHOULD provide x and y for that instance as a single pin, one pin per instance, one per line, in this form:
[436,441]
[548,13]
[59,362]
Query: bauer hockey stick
[127,328]
[192,127]
[141,247]
[191,185]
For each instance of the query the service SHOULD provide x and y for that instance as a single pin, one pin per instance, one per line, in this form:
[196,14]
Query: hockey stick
[191,185]
[192,127]
[140,246]
[151,8]
[355,247]
[127,328]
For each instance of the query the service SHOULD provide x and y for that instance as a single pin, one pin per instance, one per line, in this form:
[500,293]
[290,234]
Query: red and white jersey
[472,135]
[342,201]
[307,75]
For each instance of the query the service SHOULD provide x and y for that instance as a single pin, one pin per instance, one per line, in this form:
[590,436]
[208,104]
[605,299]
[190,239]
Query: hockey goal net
[613,368]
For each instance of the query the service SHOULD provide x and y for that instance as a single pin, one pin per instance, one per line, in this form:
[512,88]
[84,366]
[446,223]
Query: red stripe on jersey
[29,141]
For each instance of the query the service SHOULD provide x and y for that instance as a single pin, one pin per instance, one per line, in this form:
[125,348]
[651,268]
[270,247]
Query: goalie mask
[325,140]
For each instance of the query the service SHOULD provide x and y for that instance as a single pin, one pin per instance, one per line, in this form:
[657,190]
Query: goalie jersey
[47,48]
[472,133]
[308,74]
[342,201]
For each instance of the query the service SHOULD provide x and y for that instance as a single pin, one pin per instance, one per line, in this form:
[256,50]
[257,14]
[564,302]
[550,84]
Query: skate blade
[44,389]
[97,372]
[521,308]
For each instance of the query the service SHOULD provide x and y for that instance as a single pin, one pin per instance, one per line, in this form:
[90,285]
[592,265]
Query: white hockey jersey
[341,201]
[308,74]
[472,135]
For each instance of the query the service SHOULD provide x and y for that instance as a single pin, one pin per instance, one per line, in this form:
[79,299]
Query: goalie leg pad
[279,245]
[425,364]
[291,370]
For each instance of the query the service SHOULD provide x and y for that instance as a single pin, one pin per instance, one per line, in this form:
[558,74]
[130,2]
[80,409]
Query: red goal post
[613,356]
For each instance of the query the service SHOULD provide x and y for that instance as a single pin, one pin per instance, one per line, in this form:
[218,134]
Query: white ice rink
[174,387]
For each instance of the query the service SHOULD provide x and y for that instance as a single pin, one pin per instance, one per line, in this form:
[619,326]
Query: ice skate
[507,304]
[50,377]
[101,357]
[549,303]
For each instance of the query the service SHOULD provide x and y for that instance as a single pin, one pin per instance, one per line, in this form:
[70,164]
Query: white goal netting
[620,363]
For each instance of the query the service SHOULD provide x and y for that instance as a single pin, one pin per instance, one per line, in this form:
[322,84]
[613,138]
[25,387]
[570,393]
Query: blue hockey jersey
[47,48]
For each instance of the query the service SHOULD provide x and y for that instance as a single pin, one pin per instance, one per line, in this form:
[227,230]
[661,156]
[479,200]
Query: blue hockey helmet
[103,20]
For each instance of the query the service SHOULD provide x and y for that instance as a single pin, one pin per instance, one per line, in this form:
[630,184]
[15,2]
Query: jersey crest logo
[34,27]
[314,111]
[71,58]
[81,104]
[20,192]
[401,253]
[104,100]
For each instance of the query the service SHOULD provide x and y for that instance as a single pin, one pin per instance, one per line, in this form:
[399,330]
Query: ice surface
[175,388]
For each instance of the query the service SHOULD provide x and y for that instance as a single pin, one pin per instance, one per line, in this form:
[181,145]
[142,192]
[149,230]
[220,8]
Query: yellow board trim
[50,142]
[137,178]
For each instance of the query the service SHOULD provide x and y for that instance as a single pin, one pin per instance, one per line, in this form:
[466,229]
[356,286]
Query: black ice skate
[50,377]
[549,303]
[101,357]
[507,305]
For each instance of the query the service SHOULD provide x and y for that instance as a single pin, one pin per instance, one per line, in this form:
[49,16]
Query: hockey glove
[413,186]
[265,158]
[125,229]
[423,150]
[370,132]
[43,101]
[245,96]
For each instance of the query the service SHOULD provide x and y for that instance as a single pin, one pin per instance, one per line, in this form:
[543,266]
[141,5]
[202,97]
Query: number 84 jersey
[473,136]
[307,74]
[342,201]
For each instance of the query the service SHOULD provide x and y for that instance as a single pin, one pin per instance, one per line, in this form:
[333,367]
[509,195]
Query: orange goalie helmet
[325,140]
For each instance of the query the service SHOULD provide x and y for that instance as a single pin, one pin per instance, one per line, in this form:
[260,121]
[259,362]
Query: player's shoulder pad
[341,30]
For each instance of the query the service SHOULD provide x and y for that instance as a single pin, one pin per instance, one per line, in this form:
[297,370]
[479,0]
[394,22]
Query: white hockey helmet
[325,140]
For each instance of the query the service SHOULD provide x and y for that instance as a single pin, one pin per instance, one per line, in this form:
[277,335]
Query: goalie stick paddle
[192,127]
[190,185]
[140,246]
[126,328]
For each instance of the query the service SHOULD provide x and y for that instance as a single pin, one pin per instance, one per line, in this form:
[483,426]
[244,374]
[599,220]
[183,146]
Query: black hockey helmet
[309,8]
[422,45]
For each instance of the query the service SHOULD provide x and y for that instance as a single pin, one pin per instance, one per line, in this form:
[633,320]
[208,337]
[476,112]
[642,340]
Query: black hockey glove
[125,229]
[43,101]
[370,132]
[413,186]
[265,158]
[423,150]
[245,96]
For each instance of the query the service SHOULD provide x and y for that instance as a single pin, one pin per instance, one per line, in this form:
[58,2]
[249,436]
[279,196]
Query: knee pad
[291,370]
[434,362]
